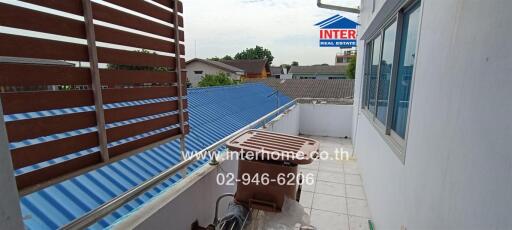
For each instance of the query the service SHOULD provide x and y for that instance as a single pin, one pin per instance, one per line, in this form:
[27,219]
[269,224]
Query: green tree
[286,66]
[255,53]
[351,69]
[295,63]
[215,80]
[227,58]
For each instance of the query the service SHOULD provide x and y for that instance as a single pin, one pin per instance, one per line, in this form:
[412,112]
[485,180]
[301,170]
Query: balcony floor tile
[323,220]
[338,200]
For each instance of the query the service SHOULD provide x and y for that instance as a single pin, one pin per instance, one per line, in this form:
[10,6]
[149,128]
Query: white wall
[315,119]
[178,208]
[326,120]
[287,122]
[207,69]
[286,76]
[458,165]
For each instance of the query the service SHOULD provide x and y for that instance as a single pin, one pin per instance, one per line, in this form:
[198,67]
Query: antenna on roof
[276,92]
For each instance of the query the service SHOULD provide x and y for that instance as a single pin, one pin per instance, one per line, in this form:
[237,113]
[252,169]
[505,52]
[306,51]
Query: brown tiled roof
[319,69]
[249,66]
[276,70]
[217,64]
[311,88]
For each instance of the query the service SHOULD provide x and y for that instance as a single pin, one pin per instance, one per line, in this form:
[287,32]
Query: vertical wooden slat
[95,75]
[180,83]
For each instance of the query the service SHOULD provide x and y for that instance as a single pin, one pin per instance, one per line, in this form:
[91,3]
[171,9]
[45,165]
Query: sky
[285,27]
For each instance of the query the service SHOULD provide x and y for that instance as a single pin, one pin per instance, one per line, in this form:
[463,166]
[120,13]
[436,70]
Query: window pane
[368,60]
[405,69]
[386,66]
[373,73]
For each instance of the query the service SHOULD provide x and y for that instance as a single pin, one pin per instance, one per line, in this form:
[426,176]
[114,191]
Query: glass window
[374,67]
[367,65]
[405,70]
[386,67]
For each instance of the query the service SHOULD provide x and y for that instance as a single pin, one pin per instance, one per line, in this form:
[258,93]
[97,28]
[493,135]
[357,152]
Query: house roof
[312,88]
[319,69]
[35,61]
[215,113]
[250,66]
[217,64]
[276,70]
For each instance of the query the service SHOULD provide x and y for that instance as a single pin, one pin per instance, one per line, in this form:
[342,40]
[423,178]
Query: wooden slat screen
[85,96]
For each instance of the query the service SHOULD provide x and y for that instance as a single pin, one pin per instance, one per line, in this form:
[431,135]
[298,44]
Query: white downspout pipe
[339,8]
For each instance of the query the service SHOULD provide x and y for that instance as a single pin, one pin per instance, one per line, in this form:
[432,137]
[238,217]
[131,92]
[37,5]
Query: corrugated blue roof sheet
[214,113]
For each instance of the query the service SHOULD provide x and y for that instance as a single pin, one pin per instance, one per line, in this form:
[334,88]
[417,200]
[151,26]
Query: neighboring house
[276,71]
[198,68]
[280,73]
[257,68]
[325,72]
[344,58]
[341,89]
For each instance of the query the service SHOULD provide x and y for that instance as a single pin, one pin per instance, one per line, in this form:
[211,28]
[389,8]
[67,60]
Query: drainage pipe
[339,8]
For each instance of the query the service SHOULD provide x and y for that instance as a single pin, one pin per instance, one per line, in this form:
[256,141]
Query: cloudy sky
[286,27]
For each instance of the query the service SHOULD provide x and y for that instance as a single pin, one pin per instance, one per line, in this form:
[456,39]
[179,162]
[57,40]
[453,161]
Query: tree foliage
[295,63]
[215,80]
[225,58]
[255,53]
[288,67]
[351,69]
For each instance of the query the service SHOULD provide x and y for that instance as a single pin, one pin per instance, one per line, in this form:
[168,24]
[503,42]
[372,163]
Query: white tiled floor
[337,199]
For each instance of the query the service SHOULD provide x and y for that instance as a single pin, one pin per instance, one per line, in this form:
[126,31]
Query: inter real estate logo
[338,31]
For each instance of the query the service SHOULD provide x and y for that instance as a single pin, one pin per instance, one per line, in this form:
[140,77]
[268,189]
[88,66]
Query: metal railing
[105,209]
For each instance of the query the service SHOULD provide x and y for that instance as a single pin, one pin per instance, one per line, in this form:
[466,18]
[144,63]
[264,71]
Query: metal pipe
[338,8]
[216,217]
[105,209]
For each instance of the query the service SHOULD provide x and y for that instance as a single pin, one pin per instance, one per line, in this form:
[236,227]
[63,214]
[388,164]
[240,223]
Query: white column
[10,211]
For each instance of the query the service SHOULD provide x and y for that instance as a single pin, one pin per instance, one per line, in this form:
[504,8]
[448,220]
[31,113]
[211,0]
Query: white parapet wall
[326,120]
[330,120]
[287,123]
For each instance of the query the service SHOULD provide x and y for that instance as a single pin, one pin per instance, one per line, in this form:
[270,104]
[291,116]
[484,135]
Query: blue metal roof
[215,112]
